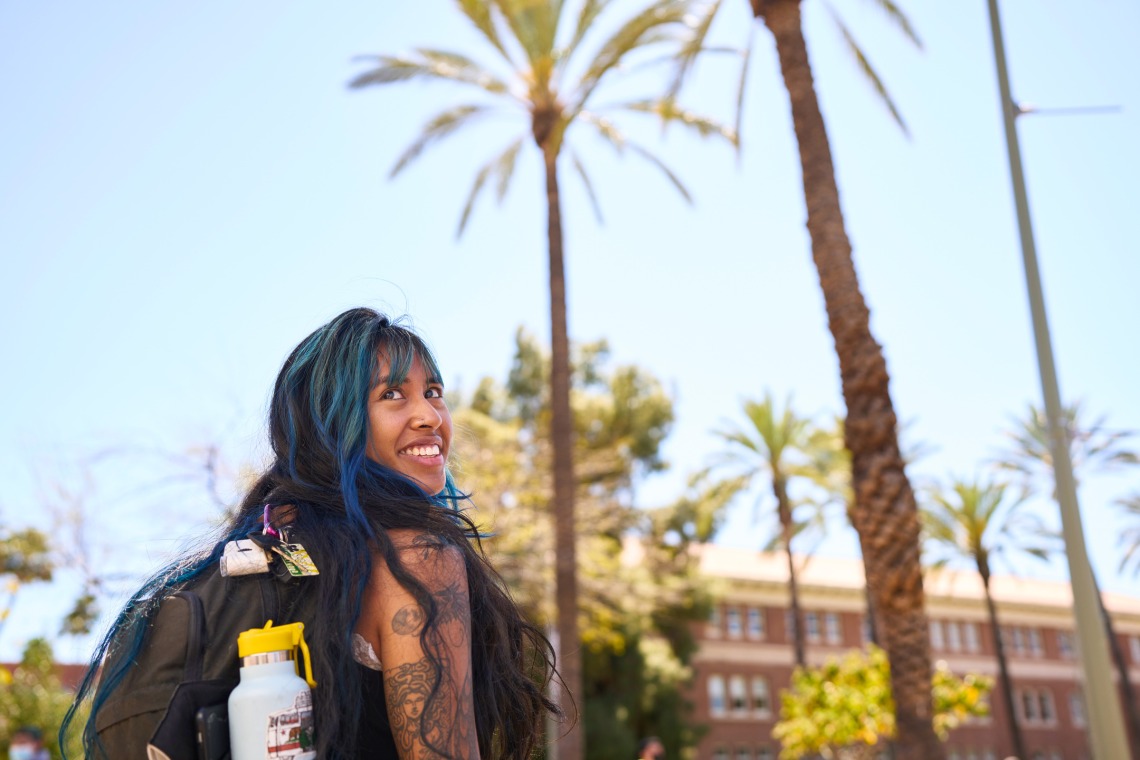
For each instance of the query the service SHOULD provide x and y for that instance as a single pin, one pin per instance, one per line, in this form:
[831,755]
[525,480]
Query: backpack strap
[195,636]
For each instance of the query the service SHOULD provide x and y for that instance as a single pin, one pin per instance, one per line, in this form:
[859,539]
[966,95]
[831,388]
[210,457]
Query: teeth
[423,451]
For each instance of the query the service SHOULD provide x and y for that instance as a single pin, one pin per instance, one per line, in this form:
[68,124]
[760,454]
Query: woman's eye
[391,393]
[434,393]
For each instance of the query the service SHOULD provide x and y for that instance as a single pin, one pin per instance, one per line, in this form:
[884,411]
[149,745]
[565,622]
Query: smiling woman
[417,649]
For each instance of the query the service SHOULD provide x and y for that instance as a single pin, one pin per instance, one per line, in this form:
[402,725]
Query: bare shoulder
[428,557]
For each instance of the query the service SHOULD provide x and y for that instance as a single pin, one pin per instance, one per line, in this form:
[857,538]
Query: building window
[1045,704]
[953,755]
[953,637]
[1037,706]
[988,754]
[1034,637]
[737,695]
[755,623]
[764,753]
[732,622]
[811,625]
[1065,645]
[936,641]
[761,697]
[713,627]
[743,753]
[867,629]
[831,628]
[716,696]
[970,633]
[1077,709]
[720,753]
[1134,647]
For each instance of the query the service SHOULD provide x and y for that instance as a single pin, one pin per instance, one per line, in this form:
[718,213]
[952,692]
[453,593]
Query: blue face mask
[22,752]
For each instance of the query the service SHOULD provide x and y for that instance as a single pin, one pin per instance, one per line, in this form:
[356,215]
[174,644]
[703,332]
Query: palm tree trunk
[562,441]
[886,513]
[783,507]
[1003,666]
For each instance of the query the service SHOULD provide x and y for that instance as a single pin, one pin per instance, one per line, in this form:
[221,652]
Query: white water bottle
[271,710]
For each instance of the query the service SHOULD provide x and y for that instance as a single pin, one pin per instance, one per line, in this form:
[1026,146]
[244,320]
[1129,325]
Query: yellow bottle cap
[281,638]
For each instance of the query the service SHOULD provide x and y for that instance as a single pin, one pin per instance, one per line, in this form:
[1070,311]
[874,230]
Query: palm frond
[430,64]
[746,58]
[436,129]
[587,14]
[648,27]
[899,19]
[503,162]
[479,12]
[534,24]
[868,71]
[670,113]
[580,168]
[699,25]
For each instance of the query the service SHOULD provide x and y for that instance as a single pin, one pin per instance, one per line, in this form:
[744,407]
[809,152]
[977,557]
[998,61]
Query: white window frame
[1077,709]
[742,753]
[733,626]
[1066,645]
[953,636]
[737,696]
[831,628]
[937,643]
[761,697]
[811,627]
[972,637]
[713,627]
[1036,646]
[718,696]
[755,623]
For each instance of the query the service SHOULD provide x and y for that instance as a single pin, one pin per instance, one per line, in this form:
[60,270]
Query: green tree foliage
[844,709]
[976,521]
[639,585]
[25,557]
[31,695]
[775,446]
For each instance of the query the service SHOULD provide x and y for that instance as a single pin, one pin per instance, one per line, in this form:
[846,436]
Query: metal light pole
[1105,720]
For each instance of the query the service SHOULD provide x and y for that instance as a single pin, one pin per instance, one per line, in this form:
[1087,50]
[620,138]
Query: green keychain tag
[297,560]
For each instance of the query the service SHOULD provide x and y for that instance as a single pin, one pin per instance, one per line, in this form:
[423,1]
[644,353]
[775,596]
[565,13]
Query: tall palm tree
[1093,447]
[776,445]
[886,514]
[1130,538]
[976,521]
[541,44]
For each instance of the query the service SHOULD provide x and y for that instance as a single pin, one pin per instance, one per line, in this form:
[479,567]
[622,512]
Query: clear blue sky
[187,190]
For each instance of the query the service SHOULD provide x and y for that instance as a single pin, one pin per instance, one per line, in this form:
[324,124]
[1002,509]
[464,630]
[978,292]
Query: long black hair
[344,504]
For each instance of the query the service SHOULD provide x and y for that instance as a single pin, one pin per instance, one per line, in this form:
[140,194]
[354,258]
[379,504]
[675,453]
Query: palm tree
[775,444]
[886,514]
[1130,538]
[1093,447]
[976,521]
[541,44]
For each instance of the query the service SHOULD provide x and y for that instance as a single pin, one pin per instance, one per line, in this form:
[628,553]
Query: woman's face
[409,427]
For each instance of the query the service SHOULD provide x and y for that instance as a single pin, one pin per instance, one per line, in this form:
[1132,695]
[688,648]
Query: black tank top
[374,735]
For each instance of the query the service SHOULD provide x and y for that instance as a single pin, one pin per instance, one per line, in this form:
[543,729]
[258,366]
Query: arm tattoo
[424,725]
[408,620]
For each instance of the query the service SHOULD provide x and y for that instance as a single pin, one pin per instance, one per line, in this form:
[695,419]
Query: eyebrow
[386,381]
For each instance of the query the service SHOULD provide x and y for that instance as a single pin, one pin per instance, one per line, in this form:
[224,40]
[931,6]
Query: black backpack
[189,661]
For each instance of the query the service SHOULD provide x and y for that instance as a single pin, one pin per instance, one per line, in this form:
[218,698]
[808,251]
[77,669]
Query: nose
[426,416]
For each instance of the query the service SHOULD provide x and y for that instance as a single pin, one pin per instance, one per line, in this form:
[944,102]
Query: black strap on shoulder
[267,585]
[195,636]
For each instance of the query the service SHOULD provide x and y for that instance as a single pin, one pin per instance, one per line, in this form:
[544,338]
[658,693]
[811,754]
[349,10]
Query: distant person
[651,748]
[27,744]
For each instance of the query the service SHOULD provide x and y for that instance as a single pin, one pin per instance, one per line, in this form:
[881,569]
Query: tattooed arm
[425,727]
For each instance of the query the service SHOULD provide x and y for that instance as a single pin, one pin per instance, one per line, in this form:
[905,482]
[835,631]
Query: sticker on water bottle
[289,732]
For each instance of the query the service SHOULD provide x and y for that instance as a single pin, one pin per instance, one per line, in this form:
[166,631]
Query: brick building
[746,658]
